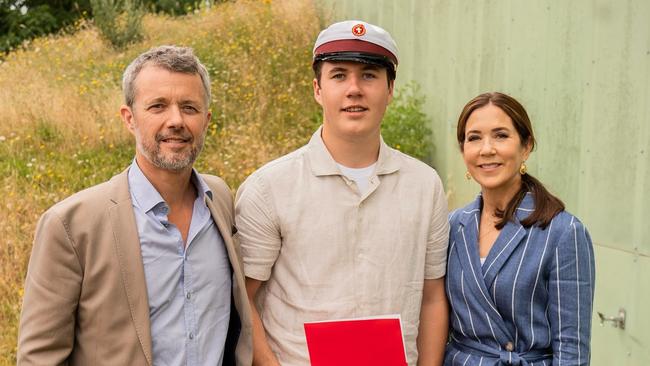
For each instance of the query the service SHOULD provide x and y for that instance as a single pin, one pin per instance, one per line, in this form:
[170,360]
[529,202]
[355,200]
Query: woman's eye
[472,138]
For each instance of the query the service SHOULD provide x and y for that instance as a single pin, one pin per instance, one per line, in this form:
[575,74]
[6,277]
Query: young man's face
[169,118]
[354,97]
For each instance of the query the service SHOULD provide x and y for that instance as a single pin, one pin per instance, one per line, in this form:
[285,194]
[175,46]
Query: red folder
[369,341]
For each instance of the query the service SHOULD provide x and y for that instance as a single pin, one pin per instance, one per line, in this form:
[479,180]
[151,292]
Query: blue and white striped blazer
[530,303]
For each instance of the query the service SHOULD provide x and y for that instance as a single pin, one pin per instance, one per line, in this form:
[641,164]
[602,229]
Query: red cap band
[354,45]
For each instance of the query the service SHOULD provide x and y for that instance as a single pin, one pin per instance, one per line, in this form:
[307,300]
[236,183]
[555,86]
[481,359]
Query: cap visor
[355,57]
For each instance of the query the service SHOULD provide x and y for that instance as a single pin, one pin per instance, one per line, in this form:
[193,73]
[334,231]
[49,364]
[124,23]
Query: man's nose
[354,87]
[174,117]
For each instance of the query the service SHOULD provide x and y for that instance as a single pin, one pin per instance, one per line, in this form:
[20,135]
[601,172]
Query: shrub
[23,20]
[119,21]
[173,7]
[405,127]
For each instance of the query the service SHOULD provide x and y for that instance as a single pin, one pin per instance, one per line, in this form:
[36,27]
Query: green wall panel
[627,289]
[582,70]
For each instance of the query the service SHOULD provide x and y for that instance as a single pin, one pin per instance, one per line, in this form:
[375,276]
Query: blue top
[530,303]
[189,288]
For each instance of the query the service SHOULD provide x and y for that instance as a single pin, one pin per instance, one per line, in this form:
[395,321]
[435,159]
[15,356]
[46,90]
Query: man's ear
[317,91]
[127,117]
[208,118]
[391,89]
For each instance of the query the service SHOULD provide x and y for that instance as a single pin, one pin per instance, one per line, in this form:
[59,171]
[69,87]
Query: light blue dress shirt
[189,287]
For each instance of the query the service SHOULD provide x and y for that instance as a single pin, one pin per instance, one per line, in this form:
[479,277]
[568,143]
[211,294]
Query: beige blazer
[85,297]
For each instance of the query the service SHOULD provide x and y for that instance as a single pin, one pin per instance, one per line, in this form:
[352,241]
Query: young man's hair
[318,71]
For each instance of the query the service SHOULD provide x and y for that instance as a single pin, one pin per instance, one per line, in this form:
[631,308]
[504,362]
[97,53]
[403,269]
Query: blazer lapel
[224,224]
[220,210]
[509,239]
[467,251]
[466,241]
[127,248]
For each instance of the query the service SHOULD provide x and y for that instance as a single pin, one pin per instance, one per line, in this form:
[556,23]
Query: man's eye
[190,109]
[155,107]
[369,76]
[338,76]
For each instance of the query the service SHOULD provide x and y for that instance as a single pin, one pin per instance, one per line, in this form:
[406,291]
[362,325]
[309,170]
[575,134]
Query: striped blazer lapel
[467,252]
[509,239]
[466,242]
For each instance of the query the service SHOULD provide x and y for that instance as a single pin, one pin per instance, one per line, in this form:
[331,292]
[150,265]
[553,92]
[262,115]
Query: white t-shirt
[361,176]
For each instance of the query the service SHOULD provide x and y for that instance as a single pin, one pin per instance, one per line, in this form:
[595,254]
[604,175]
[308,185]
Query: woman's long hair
[546,204]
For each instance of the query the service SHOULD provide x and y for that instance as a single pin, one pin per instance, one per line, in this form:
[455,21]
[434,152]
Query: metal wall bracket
[617,321]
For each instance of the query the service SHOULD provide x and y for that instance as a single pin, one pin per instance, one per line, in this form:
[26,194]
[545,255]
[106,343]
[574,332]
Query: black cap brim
[364,58]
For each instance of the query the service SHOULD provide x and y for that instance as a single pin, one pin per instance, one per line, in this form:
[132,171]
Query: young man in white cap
[345,226]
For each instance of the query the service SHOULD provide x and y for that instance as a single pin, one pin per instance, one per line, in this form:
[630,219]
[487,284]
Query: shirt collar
[526,207]
[322,163]
[146,195]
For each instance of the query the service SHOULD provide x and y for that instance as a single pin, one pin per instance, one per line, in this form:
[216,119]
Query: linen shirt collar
[322,163]
[147,196]
[525,208]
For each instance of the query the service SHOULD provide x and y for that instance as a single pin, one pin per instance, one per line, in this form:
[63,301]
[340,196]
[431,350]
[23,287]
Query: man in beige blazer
[142,269]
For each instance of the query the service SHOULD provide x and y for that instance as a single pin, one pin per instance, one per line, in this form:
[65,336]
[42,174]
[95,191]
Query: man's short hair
[318,71]
[171,58]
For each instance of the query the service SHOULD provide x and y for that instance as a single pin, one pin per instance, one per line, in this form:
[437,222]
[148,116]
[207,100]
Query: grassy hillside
[61,132]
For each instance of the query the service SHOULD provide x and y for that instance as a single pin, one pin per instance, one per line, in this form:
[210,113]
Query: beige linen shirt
[325,252]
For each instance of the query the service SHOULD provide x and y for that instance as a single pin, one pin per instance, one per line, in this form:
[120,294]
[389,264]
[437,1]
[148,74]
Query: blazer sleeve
[571,294]
[52,288]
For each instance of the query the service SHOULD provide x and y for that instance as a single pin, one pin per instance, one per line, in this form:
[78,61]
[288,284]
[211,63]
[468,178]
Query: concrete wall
[582,70]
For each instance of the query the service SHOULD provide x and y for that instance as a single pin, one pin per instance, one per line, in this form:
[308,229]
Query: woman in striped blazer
[520,278]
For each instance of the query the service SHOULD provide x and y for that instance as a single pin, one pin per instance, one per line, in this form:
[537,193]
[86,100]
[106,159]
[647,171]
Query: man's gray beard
[177,163]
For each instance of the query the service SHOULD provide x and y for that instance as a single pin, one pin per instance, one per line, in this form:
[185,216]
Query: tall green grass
[61,131]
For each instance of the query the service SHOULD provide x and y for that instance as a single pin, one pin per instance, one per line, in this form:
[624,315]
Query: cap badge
[359,30]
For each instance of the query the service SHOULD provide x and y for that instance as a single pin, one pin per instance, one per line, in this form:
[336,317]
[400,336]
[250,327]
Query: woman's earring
[523,168]
[468,176]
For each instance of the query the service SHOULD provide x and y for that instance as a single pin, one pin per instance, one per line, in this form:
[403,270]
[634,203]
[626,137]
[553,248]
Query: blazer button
[509,347]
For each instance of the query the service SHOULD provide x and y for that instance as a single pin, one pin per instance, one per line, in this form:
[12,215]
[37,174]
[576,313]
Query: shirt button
[191,336]
[509,347]
[188,295]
